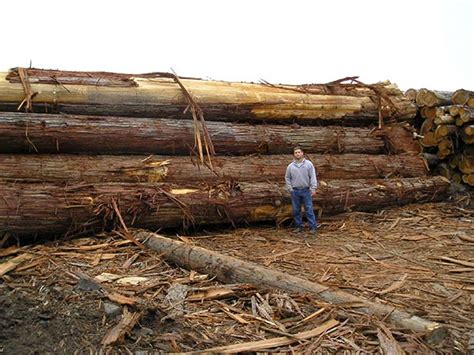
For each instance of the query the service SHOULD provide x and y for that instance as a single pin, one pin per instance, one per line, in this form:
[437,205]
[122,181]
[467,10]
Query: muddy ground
[418,258]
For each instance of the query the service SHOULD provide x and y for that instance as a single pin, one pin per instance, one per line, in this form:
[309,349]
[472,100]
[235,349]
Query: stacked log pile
[447,131]
[93,150]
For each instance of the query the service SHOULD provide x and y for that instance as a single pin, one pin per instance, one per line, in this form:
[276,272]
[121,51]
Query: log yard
[151,213]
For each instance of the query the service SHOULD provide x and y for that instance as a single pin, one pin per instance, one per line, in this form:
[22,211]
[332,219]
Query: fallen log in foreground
[159,95]
[46,133]
[69,169]
[228,269]
[48,209]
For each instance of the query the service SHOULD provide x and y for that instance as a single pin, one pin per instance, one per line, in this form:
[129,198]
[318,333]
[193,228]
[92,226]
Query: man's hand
[313,193]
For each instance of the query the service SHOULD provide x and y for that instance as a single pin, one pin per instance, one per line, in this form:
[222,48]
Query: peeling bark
[48,209]
[70,169]
[160,96]
[43,133]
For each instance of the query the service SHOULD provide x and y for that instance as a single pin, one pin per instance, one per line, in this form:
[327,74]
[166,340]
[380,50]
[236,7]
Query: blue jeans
[303,197]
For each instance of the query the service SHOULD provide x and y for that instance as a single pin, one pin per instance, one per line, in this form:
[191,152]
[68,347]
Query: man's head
[298,153]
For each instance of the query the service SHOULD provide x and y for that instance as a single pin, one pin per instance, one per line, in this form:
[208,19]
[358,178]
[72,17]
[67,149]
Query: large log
[46,133]
[48,209]
[62,168]
[232,270]
[158,95]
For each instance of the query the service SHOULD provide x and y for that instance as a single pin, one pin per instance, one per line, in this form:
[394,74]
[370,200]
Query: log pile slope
[447,132]
[83,152]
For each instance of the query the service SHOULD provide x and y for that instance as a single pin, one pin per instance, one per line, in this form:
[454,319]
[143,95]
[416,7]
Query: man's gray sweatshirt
[301,175]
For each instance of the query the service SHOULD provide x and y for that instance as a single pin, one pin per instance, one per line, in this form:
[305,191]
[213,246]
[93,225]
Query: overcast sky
[414,43]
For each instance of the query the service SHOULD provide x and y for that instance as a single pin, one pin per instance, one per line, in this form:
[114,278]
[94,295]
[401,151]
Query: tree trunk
[228,269]
[466,114]
[432,98]
[158,95]
[445,147]
[444,120]
[468,179]
[411,94]
[466,160]
[461,96]
[70,169]
[444,131]
[48,209]
[428,112]
[29,132]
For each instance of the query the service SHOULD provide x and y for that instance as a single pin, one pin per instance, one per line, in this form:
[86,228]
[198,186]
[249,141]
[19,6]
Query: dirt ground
[66,296]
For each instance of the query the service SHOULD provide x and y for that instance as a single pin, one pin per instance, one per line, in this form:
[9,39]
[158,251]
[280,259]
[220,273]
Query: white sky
[414,43]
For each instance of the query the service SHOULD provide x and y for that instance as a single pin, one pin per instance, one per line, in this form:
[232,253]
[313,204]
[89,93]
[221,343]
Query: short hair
[298,148]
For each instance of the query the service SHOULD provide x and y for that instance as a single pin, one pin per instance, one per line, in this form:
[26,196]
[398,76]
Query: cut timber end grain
[461,96]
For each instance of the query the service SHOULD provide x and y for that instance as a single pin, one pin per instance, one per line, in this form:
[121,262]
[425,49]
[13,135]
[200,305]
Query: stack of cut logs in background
[84,151]
[447,131]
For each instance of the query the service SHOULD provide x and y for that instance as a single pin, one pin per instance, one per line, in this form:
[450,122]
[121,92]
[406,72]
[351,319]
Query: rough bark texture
[399,139]
[232,270]
[160,96]
[48,209]
[70,169]
[29,132]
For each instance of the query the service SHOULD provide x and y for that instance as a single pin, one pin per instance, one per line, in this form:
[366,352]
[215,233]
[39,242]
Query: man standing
[301,182]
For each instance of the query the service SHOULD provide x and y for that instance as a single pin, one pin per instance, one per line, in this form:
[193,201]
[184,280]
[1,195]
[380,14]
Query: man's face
[298,154]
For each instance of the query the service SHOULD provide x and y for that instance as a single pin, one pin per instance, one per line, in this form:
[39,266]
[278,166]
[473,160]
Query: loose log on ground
[48,209]
[29,132]
[62,168]
[232,270]
[160,96]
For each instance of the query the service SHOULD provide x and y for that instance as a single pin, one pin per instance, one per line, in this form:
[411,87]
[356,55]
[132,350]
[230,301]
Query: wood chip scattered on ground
[76,293]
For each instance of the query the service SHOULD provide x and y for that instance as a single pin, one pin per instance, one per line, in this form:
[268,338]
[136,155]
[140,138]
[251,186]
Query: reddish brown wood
[48,209]
[22,132]
[71,169]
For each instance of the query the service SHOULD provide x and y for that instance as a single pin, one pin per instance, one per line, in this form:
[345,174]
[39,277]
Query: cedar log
[229,269]
[48,209]
[62,168]
[43,133]
[158,95]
